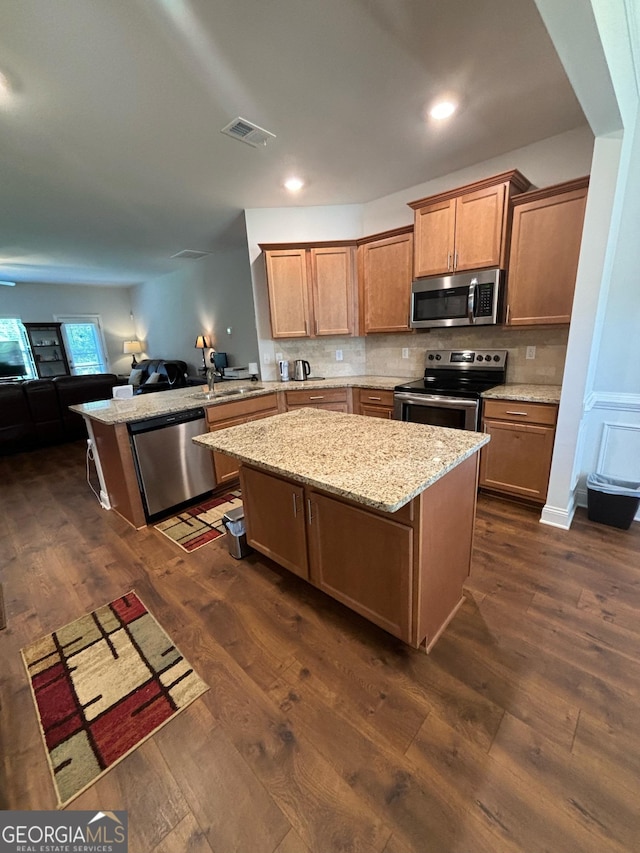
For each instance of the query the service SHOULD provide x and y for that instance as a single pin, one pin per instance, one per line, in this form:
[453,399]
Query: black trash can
[612,501]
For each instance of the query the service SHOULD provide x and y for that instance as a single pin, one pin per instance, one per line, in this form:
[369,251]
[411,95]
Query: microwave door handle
[471,301]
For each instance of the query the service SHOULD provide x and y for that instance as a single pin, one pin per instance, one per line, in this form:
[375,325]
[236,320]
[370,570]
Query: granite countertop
[525,393]
[379,463]
[166,402]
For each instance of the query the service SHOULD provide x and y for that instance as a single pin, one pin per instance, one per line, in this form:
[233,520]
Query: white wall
[40,303]
[207,296]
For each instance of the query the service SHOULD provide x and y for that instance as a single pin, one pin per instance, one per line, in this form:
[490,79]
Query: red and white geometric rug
[198,525]
[102,685]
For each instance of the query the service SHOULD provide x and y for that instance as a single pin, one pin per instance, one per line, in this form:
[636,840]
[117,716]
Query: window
[16,361]
[85,344]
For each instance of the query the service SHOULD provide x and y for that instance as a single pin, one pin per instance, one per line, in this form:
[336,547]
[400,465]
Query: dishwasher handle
[162,421]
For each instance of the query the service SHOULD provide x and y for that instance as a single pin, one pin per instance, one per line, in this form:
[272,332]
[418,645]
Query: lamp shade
[132,347]
[202,342]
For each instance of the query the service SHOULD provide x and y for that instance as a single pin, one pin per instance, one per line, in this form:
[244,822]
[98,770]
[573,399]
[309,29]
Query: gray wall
[40,303]
[207,296]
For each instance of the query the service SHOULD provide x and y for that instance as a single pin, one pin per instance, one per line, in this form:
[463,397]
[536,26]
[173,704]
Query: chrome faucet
[211,378]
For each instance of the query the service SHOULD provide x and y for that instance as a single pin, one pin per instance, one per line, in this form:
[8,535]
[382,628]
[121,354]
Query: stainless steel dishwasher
[171,469]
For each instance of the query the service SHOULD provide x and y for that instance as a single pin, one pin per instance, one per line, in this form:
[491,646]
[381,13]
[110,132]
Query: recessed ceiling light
[443,109]
[5,86]
[294,185]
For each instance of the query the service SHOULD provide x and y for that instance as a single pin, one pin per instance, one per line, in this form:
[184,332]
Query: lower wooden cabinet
[403,571]
[231,414]
[334,399]
[373,402]
[517,460]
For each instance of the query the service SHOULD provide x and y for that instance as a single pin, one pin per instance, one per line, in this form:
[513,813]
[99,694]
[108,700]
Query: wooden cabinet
[517,460]
[275,519]
[334,399]
[403,571]
[47,346]
[373,402]
[232,414]
[545,245]
[385,272]
[466,228]
[311,289]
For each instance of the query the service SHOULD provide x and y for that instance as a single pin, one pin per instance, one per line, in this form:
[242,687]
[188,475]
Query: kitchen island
[378,514]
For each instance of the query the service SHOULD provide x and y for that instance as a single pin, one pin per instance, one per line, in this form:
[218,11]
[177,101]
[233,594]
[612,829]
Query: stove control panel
[466,359]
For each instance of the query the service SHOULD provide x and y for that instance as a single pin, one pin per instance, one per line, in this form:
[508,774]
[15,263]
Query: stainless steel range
[449,394]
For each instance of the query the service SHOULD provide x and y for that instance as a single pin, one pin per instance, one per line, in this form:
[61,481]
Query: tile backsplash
[382,354]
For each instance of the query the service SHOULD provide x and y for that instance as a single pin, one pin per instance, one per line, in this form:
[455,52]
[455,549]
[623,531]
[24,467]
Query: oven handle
[471,301]
[430,399]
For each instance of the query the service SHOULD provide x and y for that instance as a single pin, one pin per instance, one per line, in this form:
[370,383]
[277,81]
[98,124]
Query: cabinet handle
[316,327]
[309,510]
[306,327]
[317,397]
[455,260]
[295,506]
[448,261]
[516,413]
[508,313]
[374,398]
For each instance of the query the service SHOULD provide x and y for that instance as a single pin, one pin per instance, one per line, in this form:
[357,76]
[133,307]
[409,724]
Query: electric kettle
[301,369]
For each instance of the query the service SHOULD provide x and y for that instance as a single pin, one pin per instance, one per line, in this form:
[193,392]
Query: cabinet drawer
[517,411]
[243,409]
[315,397]
[373,396]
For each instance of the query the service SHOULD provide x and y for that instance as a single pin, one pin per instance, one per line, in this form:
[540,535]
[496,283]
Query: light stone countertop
[167,402]
[525,393]
[379,463]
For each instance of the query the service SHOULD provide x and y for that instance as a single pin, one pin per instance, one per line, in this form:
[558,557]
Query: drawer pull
[317,397]
[516,413]
[375,398]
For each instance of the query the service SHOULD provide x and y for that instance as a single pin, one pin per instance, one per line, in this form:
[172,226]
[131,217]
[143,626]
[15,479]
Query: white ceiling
[111,156]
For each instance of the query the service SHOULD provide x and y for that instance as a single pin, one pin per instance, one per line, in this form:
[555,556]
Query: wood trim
[518,183]
[385,235]
[316,244]
[556,189]
[118,469]
[241,408]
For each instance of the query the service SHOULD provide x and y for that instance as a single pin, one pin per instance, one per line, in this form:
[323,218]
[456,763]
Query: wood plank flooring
[320,732]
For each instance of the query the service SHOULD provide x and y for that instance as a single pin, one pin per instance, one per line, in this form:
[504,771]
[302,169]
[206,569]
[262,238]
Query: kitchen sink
[227,392]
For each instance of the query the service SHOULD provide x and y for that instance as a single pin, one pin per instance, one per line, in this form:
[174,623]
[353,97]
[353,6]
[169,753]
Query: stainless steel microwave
[464,299]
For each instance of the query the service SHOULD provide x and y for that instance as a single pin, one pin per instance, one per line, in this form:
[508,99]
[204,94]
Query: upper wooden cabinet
[311,289]
[385,270]
[466,228]
[545,245]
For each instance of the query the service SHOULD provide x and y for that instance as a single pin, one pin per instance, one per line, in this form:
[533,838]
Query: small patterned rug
[198,525]
[102,685]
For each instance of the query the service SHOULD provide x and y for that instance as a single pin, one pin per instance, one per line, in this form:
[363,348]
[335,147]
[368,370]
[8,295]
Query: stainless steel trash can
[236,535]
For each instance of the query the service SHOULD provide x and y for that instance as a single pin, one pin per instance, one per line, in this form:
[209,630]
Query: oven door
[435,410]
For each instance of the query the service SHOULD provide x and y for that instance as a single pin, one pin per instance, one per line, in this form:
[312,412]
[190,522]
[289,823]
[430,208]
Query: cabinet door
[373,403]
[288,284]
[479,228]
[363,560]
[434,238]
[333,290]
[517,460]
[386,270]
[275,519]
[545,246]
[373,411]
[227,467]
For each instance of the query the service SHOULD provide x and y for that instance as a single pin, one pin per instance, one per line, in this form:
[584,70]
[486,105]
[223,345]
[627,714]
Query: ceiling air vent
[248,132]
[190,255]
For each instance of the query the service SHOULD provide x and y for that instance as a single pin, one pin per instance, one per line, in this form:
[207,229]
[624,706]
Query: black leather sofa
[35,412]
[169,374]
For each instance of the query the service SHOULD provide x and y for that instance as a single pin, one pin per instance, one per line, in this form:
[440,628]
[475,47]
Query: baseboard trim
[556,516]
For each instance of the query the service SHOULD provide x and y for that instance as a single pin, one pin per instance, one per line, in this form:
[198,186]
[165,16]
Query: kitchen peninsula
[376,513]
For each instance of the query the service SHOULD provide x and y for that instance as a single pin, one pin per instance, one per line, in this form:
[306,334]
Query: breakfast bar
[378,514]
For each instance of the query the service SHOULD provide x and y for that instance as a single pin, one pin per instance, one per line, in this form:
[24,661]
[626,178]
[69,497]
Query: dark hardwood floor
[520,732]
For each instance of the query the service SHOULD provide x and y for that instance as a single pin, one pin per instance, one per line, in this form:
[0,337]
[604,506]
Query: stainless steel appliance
[171,469]
[464,299]
[283,368]
[301,369]
[449,394]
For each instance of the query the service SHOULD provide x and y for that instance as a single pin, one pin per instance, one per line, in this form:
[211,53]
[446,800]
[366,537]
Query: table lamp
[203,342]
[132,348]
